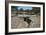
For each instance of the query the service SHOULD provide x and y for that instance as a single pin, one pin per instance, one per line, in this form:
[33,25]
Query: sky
[25,7]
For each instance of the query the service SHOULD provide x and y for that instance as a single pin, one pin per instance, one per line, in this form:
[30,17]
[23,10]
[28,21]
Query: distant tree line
[35,10]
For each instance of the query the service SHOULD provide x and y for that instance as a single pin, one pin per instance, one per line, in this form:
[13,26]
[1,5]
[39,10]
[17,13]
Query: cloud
[25,7]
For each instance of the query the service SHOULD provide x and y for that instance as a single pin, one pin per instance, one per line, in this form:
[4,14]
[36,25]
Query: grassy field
[18,22]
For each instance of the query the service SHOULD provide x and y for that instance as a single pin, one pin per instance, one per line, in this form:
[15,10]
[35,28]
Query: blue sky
[25,7]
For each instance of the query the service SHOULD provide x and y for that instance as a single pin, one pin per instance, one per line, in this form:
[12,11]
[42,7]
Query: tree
[16,8]
[21,9]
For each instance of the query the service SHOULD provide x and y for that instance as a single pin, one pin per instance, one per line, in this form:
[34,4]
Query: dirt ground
[18,22]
